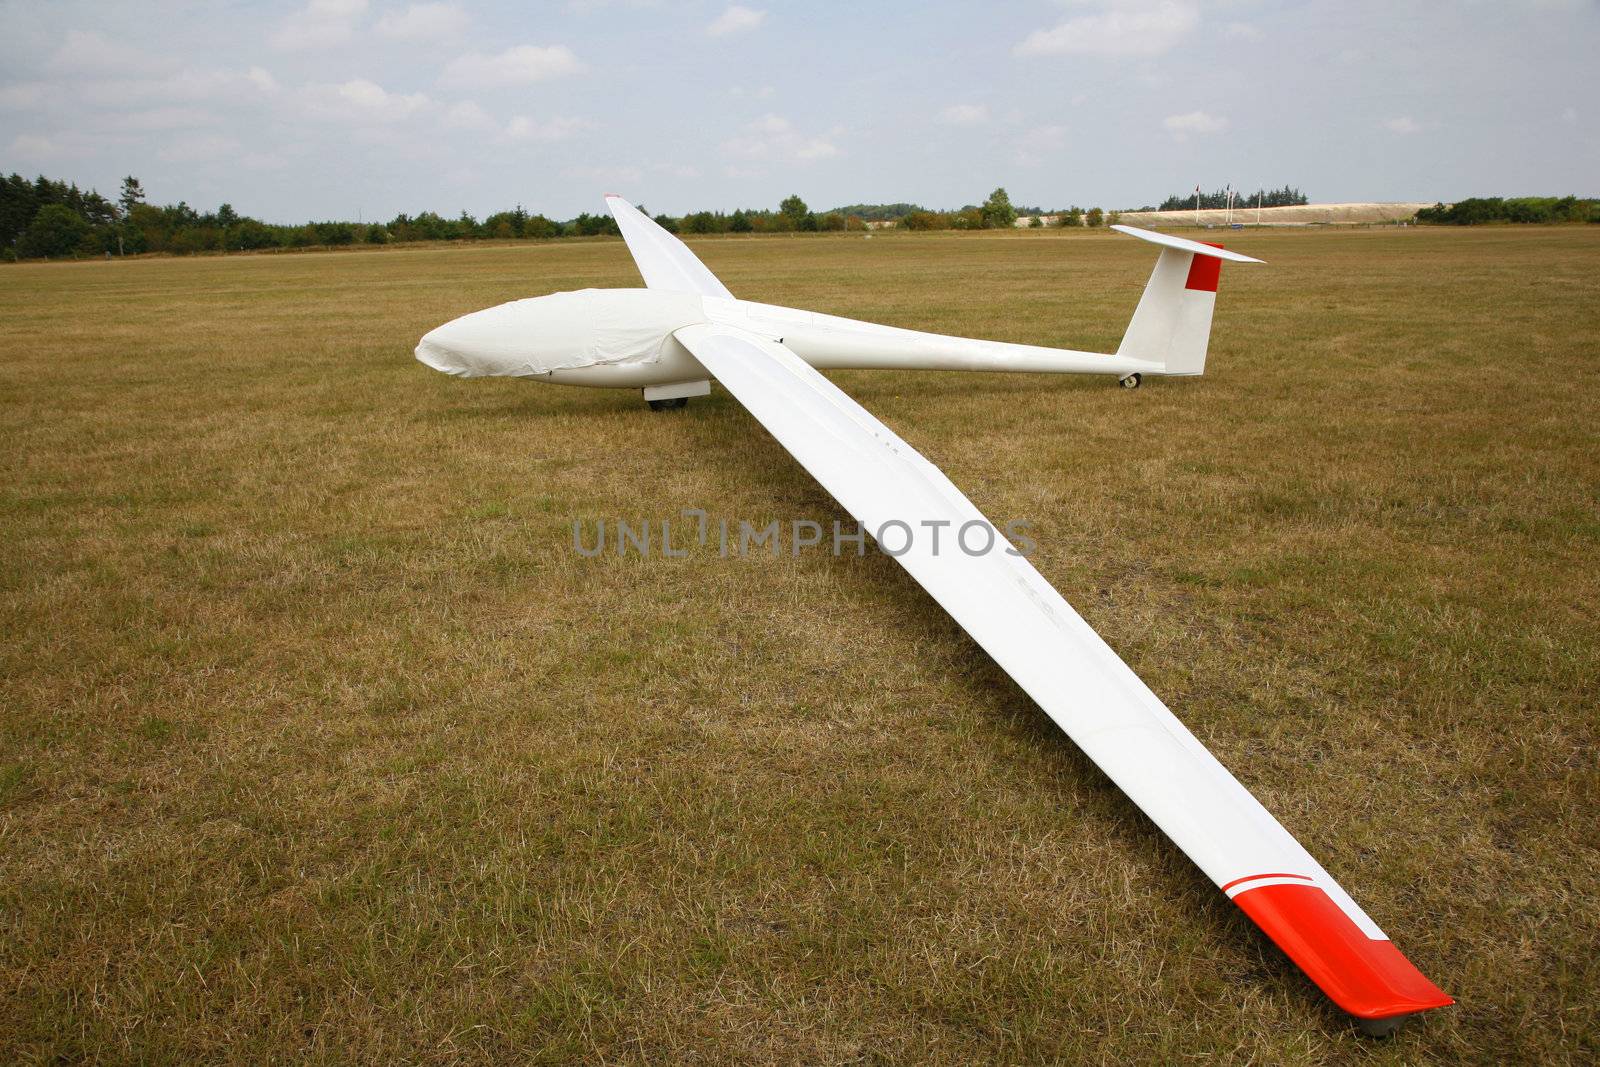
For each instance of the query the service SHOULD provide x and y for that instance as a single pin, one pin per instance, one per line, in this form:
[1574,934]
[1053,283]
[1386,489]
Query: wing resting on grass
[1006,605]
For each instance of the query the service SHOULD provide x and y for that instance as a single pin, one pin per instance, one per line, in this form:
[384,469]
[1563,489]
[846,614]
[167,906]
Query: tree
[1113,218]
[539,226]
[1037,222]
[997,211]
[667,222]
[132,193]
[739,222]
[1095,217]
[794,209]
[587,225]
[56,230]
[252,234]
[968,218]
[1074,216]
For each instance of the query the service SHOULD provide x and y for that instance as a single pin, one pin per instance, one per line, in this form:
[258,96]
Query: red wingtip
[1367,978]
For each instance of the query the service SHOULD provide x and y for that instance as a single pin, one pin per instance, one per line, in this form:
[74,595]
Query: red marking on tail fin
[1367,978]
[1204,271]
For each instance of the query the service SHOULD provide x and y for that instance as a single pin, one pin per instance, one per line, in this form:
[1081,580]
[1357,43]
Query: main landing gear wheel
[1131,381]
[669,405]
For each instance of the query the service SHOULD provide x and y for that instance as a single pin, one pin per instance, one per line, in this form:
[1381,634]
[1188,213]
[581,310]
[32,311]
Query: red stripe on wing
[1258,877]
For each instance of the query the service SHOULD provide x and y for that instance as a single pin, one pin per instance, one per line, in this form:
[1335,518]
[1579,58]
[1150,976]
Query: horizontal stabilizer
[1183,244]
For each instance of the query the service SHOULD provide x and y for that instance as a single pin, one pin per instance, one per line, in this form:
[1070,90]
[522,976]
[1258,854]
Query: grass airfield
[320,741]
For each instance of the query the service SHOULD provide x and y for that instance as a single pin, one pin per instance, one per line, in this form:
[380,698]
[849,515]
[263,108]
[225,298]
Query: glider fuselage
[623,338]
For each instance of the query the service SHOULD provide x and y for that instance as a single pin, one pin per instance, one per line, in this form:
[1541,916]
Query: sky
[347,109]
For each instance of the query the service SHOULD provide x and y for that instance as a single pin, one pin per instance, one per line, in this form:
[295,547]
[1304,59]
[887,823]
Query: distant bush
[925,220]
[1476,211]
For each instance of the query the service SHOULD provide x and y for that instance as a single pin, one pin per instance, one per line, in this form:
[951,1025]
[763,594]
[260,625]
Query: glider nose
[501,341]
[447,349]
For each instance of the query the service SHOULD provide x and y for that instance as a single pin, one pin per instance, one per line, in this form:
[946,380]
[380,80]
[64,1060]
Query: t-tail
[1172,324]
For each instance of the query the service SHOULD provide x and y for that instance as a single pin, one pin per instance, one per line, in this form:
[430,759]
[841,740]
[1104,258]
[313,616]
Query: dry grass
[320,742]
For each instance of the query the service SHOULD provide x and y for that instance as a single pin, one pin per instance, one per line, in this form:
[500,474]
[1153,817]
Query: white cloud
[773,138]
[521,65]
[1037,143]
[1048,136]
[190,86]
[1118,29]
[1243,31]
[610,176]
[33,146]
[320,24]
[199,148]
[23,96]
[363,101]
[60,145]
[736,19]
[523,128]
[964,115]
[261,79]
[263,161]
[1194,122]
[91,53]
[467,115]
[424,22]
[676,170]
[158,119]
[1401,124]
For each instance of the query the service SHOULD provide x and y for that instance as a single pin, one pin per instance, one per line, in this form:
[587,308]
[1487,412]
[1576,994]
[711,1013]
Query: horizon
[360,110]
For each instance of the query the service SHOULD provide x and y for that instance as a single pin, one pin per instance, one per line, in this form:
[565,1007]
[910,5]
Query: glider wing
[665,261]
[1036,636]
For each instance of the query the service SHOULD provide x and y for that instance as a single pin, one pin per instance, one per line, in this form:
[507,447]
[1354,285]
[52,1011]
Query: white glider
[686,329]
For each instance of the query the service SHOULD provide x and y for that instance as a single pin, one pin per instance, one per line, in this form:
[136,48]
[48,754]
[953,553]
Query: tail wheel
[669,405]
[1131,381]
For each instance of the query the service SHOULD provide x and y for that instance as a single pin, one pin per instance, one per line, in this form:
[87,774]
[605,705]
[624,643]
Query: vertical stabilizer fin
[1172,324]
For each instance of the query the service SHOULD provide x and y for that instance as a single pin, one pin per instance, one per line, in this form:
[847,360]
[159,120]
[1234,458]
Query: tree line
[50,218]
[47,218]
[1477,210]
[1285,197]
